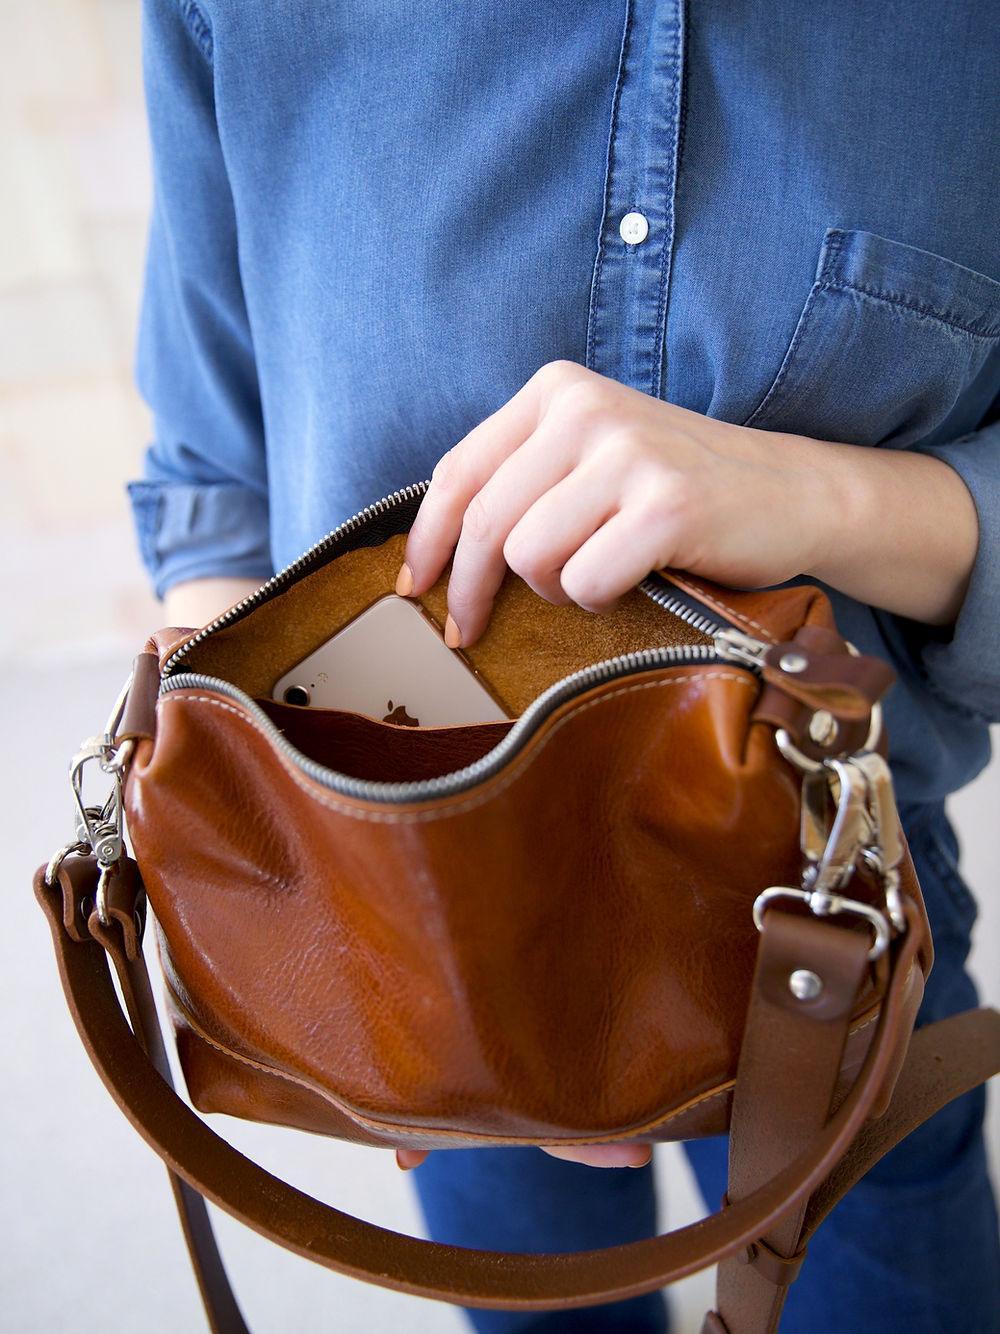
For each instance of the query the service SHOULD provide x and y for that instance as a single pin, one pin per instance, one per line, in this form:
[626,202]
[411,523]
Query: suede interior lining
[528,644]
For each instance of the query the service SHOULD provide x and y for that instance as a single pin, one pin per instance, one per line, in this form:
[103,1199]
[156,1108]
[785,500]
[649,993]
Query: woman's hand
[582,486]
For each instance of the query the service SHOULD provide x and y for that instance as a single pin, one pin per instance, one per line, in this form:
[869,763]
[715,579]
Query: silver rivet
[805,984]
[823,727]
[634,228]
[793,662]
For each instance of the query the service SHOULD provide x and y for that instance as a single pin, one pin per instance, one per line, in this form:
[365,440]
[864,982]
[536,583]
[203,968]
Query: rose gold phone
[391,663]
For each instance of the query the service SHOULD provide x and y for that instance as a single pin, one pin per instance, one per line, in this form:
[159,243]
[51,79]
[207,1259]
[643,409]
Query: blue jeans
[913,1248]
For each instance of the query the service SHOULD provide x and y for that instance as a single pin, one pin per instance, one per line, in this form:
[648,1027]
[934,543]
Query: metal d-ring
[827,905]
[57,859]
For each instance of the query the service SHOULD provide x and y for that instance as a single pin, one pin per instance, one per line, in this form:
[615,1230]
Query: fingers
[605,1155]
[570,484]
[556,526]
[479,564]
[531,516]
[459,475]
[611,561]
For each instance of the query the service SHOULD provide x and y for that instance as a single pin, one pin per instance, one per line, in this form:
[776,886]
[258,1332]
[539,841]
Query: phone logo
[399,716]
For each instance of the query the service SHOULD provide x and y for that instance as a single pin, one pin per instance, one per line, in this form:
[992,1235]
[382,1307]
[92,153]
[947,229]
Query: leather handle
[945,1061]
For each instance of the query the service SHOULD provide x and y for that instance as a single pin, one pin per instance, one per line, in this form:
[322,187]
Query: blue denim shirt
[373,223]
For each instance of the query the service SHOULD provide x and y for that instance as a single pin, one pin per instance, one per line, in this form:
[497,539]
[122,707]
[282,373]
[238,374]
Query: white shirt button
[634,228]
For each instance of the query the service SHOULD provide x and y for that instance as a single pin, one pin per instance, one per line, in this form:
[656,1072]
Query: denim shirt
[373,222]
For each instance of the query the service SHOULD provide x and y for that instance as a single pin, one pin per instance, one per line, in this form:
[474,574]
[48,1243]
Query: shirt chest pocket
[889,340]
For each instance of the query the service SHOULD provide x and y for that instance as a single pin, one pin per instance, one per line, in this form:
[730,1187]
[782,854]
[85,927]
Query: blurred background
[91,1242]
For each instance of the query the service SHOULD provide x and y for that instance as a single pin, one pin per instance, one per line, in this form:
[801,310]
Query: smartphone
[391,663]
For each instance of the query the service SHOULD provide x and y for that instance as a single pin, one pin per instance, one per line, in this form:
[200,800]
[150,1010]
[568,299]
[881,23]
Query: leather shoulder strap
[945,1060]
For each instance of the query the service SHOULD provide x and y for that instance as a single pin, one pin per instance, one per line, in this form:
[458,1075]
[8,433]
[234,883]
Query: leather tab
[793,941]
[125,902]
[139,716]
[124,899]
[164,642]
[77,880]
[846,685]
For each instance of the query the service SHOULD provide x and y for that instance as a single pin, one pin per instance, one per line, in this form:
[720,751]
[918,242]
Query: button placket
[627,322]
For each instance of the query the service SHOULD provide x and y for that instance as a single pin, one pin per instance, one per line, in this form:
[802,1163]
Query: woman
[642,286]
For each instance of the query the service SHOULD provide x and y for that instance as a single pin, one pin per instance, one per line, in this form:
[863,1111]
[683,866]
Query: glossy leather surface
[475,969]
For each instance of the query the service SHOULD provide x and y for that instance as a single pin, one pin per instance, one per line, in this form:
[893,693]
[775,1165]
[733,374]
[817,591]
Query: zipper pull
[735,646]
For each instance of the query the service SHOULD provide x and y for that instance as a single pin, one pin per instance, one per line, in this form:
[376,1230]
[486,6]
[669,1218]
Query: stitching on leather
[234,1055]
[865,1025]
[739,615]
[747,620]
[494,790]
[395,1128]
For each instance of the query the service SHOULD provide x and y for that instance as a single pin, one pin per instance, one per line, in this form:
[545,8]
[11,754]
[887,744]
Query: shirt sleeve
[962,664]
[201,505]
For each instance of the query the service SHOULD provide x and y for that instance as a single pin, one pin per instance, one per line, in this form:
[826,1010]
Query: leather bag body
[548,931]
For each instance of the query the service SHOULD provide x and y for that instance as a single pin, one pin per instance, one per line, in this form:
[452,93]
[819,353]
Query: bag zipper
[730,645]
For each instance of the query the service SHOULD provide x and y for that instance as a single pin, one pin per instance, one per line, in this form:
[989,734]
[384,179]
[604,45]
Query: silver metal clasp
[883,850]
[99,827]
[864,829]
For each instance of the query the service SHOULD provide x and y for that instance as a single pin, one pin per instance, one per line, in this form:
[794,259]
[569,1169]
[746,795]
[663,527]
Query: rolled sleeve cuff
[200,530]
[964,670]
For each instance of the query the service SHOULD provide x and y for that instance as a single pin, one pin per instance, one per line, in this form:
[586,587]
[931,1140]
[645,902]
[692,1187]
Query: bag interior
[528,645]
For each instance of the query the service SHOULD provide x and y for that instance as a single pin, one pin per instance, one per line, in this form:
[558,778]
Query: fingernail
[403,1167]
[452,634]
[404,581]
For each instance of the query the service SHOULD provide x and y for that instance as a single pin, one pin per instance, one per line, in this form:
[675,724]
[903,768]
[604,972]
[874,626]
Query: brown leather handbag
[670,897]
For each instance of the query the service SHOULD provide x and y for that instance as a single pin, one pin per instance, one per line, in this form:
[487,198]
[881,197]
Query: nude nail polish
[452,634]
[404,581]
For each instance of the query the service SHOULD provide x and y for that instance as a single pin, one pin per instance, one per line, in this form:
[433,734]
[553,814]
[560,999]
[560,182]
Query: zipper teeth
[487,765]
[332,538]
[655,589]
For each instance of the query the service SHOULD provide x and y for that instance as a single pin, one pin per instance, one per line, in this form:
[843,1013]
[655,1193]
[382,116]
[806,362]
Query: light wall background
[77,1185]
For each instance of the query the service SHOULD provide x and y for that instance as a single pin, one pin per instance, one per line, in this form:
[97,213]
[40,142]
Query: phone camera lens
[296,695]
